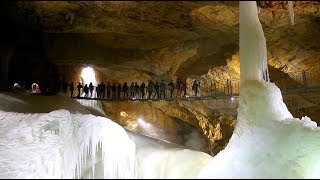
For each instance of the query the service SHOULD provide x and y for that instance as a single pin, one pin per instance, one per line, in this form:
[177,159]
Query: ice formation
[291,12]
[267,142]
[63,145]
[159,160]
[92,104]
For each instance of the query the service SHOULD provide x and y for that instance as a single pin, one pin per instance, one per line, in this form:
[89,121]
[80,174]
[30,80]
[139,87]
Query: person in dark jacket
[195,87]
[132,90]
[179,88]
[157,89]
[136,90]
[185,88]
[108,87]
[142,90]
[125,90]
[150,89]
[119,91]
[163,89]
[171,88]
[79,87]
[98,94]
[86,91]
[71,89]
[113,89]
[91,88]
[103,90]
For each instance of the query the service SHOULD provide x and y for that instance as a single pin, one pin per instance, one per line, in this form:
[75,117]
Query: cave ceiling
[163,39]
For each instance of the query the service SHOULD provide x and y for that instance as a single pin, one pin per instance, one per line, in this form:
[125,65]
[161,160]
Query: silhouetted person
[86,91]
[103,90]
[142,89]
[119,91]
[179,88]
[79,87]
[98,91]
[171,88]
[113,89]
[91,89]
[157,90]
[150,89]
[108,87]
[132,90]
[185,88]
[64,87]
[163,89]
[195,87]
[136,90]
[71,89]
[125,90]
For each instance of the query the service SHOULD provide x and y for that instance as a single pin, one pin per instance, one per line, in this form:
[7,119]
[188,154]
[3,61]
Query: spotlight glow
[88,76]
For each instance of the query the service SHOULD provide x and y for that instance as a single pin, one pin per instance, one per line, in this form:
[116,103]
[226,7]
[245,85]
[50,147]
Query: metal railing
[294,82]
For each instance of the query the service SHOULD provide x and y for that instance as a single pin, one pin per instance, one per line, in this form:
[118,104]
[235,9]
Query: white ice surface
[267,142]
[55,144]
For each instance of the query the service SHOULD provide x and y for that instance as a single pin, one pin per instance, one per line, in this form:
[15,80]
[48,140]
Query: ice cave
[159,90]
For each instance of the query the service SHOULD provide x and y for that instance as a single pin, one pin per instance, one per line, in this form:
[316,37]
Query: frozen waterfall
[267,142]
[63,145]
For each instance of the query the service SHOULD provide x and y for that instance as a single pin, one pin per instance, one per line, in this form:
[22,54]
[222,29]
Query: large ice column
[267,142]
[252,41]
[259,100]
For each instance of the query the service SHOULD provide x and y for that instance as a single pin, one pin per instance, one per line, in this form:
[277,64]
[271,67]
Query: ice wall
[159,160]
[267,142]
[63,145]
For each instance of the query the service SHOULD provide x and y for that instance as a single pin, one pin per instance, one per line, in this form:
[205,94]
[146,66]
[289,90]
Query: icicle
[291,12]
[253,38]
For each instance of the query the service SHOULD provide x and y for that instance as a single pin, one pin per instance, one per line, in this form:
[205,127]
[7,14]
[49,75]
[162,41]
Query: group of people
[134,91]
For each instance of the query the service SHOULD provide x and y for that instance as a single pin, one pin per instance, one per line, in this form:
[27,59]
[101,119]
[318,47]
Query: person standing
[108,87]
[142,90]
[150,89]
[79,87]
[179,87]
[113,89]
[71,89]
[136,90]
[163,89]
[157,89]
[185,88]
[132,90]
[98,94]
[125,90]
[119,91]
[195,87]
[103,90]
[171,88]
[86,91]
[91,89]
